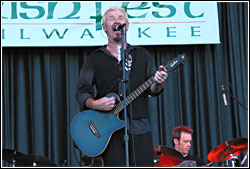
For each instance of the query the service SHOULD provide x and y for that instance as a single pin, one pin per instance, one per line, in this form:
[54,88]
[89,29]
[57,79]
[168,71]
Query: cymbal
[40,161]
[10,155]
[26,160]
[223,151]
[166,157]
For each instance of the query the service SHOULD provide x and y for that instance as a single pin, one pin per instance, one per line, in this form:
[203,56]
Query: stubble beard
[117,39]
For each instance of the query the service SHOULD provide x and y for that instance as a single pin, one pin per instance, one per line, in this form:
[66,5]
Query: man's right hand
[102,104]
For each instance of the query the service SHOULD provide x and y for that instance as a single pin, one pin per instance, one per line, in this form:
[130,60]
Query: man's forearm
[156,88]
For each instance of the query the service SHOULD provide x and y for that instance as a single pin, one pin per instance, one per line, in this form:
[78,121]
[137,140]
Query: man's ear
[127,26]
[104,28]
[176,141]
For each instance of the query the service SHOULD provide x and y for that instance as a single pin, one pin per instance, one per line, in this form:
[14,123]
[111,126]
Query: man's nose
[116,20]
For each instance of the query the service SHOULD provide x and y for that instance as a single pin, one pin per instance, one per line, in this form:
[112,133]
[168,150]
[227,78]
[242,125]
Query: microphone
[119,27]
[224,95]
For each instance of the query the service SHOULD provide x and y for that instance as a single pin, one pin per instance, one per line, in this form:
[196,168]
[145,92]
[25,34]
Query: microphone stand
[124,81]
[236,99]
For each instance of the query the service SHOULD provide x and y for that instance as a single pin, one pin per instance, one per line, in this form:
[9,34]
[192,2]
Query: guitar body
[91,130]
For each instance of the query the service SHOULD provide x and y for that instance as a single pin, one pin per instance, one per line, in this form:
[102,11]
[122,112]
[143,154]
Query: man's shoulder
[98,51]
[132,47]
[138,50]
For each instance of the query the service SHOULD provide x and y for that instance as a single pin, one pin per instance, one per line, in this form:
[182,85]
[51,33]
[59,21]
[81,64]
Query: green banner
[62,23]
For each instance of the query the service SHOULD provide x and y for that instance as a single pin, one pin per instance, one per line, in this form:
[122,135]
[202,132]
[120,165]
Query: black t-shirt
[192,160]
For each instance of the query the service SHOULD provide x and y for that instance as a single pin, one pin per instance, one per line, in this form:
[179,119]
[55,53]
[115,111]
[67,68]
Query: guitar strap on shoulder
[128,66]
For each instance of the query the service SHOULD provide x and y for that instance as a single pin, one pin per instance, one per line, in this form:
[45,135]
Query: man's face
[183,145]
[114,18]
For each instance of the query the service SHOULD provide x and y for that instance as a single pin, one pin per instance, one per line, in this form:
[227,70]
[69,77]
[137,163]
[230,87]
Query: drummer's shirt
[198,160]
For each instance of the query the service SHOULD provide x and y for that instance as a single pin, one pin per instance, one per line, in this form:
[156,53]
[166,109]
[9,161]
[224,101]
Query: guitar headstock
[173,64]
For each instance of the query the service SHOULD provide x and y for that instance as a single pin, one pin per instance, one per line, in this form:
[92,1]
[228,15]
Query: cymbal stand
[244,159]
[226,165]
[13,159]
[13,162]
[234,159]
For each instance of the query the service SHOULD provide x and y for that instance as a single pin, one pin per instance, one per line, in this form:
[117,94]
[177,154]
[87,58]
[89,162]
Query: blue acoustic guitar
[91,130]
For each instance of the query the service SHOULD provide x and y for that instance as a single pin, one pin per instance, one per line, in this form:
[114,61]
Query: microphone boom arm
[236,99]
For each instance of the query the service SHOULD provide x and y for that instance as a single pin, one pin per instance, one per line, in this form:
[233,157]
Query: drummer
[181,138]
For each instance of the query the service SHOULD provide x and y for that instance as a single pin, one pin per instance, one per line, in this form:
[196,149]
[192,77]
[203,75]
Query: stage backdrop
[79,23]
[38,92]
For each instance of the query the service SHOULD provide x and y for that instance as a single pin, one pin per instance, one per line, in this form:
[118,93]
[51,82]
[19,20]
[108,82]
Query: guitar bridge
[93,129]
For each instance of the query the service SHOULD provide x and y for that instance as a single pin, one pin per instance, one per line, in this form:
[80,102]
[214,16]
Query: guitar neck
[169,67]
[137,92]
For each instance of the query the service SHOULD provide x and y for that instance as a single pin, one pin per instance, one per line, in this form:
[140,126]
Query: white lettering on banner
[79,23]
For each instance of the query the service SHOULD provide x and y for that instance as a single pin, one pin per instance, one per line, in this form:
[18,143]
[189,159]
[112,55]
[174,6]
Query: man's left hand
[161,75]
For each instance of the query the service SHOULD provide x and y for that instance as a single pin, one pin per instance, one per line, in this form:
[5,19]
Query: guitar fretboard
[169,67]
[134,95]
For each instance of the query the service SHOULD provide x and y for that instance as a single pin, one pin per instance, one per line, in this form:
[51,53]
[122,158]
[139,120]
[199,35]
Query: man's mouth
[115,29]
[118,27]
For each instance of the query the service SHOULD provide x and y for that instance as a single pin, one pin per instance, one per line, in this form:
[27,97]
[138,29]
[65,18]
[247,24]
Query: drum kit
[228,150]
[18,159]
[163,156]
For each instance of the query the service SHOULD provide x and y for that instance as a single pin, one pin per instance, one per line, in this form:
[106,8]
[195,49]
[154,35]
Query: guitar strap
[128,66]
